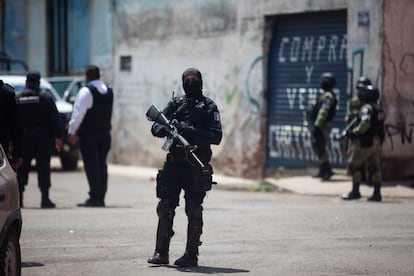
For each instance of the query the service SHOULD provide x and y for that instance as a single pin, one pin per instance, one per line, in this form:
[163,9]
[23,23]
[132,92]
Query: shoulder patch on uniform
[217,116]
[364,110]
[326,103]
[365,113]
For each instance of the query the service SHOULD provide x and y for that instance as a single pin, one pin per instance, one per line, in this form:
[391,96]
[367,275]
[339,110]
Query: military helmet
[328,81]
[362,82]
[370,94]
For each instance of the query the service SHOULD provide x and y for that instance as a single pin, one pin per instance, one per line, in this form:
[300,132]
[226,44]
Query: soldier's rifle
[344,133]
[154,114]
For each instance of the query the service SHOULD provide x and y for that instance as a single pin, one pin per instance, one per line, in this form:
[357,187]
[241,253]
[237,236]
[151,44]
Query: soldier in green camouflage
[353,110]
[355,103]
[321,124]
[367,136]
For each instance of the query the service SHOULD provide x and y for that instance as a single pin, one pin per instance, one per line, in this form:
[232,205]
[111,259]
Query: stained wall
[398,89]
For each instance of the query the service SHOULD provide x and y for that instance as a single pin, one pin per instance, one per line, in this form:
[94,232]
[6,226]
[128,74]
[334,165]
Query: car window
[60,86]
[75,89]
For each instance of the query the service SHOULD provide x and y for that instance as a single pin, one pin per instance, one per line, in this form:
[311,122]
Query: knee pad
[193,210]
[165,209]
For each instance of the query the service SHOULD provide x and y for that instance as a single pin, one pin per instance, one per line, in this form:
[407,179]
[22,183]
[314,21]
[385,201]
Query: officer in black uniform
[42,126]
[10,134]
[198,120]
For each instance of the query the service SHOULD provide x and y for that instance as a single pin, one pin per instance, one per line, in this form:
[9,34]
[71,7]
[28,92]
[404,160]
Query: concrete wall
[227,41]
[36,35]
[398,89]
[101,37]
[365,40]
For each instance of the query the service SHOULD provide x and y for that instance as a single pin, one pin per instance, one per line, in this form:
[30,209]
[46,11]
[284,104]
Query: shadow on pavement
[211,270]
[205,269]
[31,264]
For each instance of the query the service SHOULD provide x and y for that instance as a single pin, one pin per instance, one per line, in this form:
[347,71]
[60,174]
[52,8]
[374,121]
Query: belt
[34,128]
[176,158]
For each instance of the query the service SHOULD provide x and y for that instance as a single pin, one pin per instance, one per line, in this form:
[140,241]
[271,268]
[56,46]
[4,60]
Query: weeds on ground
[260,187]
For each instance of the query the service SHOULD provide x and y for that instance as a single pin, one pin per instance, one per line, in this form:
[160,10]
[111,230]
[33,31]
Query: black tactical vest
[377,122]
[33,109]
[98,117]
[195,113]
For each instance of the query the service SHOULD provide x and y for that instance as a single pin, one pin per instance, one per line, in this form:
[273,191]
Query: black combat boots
[354,194]
[194,230]
[326,171]
[187,260]
[162,248]
[376,196]
[159,258]
[162,245]
[46,202]
[319,173]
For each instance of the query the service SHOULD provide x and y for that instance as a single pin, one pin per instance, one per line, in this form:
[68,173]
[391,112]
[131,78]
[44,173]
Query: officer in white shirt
[91,123]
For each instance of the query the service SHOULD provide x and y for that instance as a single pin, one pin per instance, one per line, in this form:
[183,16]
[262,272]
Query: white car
[10,219]
[67,86]
[69,155]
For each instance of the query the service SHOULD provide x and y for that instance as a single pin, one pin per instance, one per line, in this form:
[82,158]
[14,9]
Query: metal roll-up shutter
[304,46]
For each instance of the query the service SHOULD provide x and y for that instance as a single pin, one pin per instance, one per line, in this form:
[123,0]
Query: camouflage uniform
[367,136]
[354,108]
[320,120]
[353,111]
[327,102]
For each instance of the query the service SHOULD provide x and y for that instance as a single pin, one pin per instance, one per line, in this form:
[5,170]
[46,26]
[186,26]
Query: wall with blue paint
[36,36]
[101,37]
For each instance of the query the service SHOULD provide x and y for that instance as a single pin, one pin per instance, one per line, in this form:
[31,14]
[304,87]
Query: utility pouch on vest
[162,185]
[203,179]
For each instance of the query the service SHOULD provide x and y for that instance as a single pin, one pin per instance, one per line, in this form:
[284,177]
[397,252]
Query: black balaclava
[193,89]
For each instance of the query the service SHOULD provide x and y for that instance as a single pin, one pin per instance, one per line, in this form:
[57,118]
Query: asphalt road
[245,233]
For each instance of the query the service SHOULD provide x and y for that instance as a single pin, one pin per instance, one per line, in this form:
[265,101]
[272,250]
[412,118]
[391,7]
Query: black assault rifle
[155,115]
[345,131]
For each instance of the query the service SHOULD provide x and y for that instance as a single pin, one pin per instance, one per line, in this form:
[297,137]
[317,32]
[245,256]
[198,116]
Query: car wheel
[10,254]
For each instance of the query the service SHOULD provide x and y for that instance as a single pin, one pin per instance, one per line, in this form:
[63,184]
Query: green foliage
[260,187]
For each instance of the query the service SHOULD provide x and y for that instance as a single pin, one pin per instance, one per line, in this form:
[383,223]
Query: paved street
[245,233]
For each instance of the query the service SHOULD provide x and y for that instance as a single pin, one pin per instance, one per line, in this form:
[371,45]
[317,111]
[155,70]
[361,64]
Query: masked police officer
[368,136]
[198,121]
[321,126]
[42,126]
